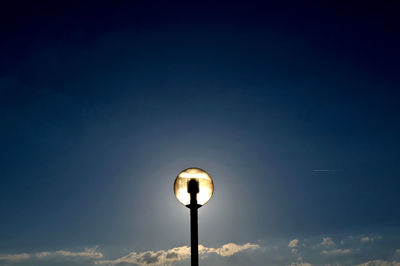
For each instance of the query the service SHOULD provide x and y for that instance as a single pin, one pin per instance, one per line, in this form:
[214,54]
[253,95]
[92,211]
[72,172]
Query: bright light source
[206,185]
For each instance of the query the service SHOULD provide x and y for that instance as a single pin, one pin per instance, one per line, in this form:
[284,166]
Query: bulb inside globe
[205,183]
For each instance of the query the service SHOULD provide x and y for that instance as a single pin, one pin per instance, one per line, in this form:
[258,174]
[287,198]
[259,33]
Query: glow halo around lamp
[206,186]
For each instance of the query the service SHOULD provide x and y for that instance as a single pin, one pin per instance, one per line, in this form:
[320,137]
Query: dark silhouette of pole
[193,189]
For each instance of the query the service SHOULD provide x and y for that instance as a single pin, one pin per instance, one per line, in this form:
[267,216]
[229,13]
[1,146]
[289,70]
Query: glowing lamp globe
[202,178]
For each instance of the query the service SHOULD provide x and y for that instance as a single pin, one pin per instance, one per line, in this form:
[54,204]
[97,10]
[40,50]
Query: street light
[193,187]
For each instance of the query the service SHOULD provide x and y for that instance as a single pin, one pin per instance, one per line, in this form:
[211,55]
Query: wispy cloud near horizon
[152,258]
[168,257]
[322,250]
[92,253]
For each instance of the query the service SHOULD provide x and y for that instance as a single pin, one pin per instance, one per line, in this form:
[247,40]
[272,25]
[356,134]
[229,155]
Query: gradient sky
[293,109]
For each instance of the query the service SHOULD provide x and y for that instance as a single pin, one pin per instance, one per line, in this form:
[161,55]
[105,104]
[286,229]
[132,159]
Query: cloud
[90,253]
[380,263]
[327,242]
[168,257]
[229,249]
[369,239]
[365,239]
[316,250]
[14,257]
[338,251]
[293,243]
[161,257]
[151,257]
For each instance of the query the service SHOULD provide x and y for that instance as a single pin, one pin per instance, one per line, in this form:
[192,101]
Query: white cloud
[349,250]
[293,243]
[168,257]
[365,239]
[338,251]
[90,253]
[228,249]
[327,242]
[14,257]
[369,239]
[380,263]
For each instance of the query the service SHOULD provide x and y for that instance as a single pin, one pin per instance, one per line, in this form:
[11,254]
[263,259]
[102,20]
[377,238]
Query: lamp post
[193,187]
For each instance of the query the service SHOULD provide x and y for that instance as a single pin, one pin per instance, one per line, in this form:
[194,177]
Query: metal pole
[193,189]
[194,240]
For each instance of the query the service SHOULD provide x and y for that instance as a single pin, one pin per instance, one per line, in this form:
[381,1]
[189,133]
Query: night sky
[292,107]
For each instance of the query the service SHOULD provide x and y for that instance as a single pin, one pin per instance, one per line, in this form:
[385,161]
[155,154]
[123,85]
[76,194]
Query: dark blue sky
[103,103]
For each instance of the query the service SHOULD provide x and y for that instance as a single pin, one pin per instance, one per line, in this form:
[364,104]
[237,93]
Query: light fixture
[193,187]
